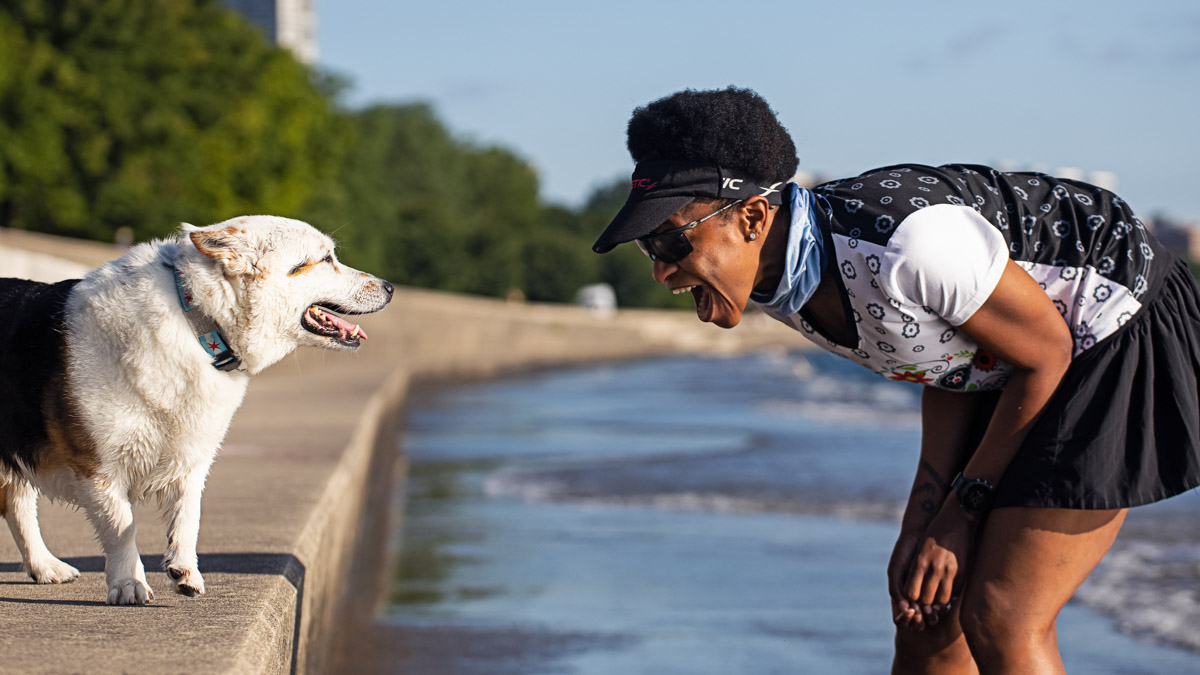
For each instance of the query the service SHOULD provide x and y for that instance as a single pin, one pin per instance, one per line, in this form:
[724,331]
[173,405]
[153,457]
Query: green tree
[411,202]
[558,258]
[143,113]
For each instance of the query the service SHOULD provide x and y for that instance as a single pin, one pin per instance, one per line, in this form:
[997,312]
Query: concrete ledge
[87,254]
[298,510]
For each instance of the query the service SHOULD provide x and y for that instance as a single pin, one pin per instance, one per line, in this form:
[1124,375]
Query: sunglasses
[673,245]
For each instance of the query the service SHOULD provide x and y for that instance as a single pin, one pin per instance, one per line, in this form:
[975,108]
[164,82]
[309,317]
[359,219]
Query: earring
[753,236]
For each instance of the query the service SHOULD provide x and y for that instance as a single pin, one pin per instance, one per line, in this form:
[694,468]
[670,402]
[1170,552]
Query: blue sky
[1098,85]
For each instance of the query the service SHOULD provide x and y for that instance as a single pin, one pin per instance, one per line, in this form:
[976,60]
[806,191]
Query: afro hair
[731,128]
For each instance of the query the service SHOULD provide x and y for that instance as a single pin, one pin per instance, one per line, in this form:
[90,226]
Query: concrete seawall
[298,510]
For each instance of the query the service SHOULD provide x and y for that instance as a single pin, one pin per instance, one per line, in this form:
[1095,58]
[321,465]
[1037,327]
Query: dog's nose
[387,286]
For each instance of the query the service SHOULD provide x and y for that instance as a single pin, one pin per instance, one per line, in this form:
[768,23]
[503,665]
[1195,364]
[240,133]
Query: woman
[1057,339]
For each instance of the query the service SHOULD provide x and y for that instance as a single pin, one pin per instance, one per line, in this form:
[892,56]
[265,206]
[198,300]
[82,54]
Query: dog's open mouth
[320,320]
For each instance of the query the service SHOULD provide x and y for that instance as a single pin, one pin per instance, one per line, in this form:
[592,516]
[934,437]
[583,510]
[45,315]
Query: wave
[1151,589]
[845,412]
[838,397]
[540,487]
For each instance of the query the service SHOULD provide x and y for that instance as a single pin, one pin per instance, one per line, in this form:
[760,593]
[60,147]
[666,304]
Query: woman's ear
[756,214]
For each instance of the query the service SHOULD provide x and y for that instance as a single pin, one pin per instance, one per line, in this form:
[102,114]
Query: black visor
[660,188]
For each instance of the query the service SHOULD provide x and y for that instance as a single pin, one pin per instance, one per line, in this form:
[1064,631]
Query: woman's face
[720,271]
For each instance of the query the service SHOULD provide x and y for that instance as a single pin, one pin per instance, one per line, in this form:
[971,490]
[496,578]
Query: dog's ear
[231,246]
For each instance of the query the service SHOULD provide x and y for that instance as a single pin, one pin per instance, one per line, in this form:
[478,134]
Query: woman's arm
[1019,325]
[946,419]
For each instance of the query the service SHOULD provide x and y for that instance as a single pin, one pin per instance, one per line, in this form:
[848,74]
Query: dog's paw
[52,571]
[187,581]
[129,592]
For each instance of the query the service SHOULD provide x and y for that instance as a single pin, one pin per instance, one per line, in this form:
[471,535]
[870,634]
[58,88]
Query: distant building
[291,24]
[1180,237]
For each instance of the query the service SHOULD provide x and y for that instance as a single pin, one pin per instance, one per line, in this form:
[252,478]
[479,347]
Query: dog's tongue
[345,328]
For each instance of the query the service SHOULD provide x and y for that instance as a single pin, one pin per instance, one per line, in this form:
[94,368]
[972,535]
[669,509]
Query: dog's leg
[20,510]
[183,527]
[111,515]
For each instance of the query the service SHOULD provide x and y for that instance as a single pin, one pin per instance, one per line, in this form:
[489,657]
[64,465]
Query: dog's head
[274,284]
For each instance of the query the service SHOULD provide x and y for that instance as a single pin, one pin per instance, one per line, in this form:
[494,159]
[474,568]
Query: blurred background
[479,147]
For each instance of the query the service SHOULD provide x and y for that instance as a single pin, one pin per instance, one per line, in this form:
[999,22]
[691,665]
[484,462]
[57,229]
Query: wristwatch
[974,496]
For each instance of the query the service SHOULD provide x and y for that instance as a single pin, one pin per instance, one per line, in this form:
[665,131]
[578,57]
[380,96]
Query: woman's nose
[662,270]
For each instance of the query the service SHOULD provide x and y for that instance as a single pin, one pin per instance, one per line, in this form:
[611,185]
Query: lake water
[710,515]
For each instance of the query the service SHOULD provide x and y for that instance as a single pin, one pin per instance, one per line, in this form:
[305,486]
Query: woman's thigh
[1028,564]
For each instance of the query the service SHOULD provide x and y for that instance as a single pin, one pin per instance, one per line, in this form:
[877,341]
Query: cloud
[960,46]
[976,39]
[1117,54]
[1187,53]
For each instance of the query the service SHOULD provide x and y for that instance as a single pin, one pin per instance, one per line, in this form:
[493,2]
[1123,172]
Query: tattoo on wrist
[940,482]
[936,487]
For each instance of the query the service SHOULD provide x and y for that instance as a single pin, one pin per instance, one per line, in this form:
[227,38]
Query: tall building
[291,24]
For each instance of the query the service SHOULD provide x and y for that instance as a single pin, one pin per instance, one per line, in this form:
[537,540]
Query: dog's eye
[328,258]
[296,270]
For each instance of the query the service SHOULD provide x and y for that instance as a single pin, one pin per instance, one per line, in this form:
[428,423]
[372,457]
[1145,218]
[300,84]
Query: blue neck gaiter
[804,260]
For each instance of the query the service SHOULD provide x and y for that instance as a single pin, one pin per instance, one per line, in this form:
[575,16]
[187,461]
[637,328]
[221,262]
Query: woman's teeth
[684,289]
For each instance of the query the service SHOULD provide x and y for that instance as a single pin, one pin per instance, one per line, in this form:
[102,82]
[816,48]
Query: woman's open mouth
[703,299]
[704,303]
[320,320]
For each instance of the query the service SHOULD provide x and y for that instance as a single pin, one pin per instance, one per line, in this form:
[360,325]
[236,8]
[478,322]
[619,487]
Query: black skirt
[1123,428]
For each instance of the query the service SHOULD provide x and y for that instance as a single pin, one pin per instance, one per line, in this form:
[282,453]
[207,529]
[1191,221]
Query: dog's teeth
[354,333]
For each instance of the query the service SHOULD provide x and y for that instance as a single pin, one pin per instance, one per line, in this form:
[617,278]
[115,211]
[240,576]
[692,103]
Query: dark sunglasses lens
[670,247]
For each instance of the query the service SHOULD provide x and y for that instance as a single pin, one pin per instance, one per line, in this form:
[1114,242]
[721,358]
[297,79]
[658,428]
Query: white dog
[121,386]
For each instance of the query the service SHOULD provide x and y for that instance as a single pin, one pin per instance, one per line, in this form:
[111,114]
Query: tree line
[142,114]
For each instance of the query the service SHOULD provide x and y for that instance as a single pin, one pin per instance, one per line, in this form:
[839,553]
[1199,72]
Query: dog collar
[205,329]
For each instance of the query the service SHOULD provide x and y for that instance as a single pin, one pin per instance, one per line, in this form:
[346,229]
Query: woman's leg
[1028,565]
[940,649]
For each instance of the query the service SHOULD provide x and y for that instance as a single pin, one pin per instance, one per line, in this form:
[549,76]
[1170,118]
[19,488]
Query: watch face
[974,498]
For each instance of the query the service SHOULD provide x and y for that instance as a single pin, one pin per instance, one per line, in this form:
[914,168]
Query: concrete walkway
[298,515]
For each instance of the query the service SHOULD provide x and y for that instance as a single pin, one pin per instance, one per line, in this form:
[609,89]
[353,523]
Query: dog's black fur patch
[31,360]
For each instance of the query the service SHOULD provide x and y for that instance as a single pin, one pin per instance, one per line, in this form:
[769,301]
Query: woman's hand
[929,491]
[933,576]
[905,614]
